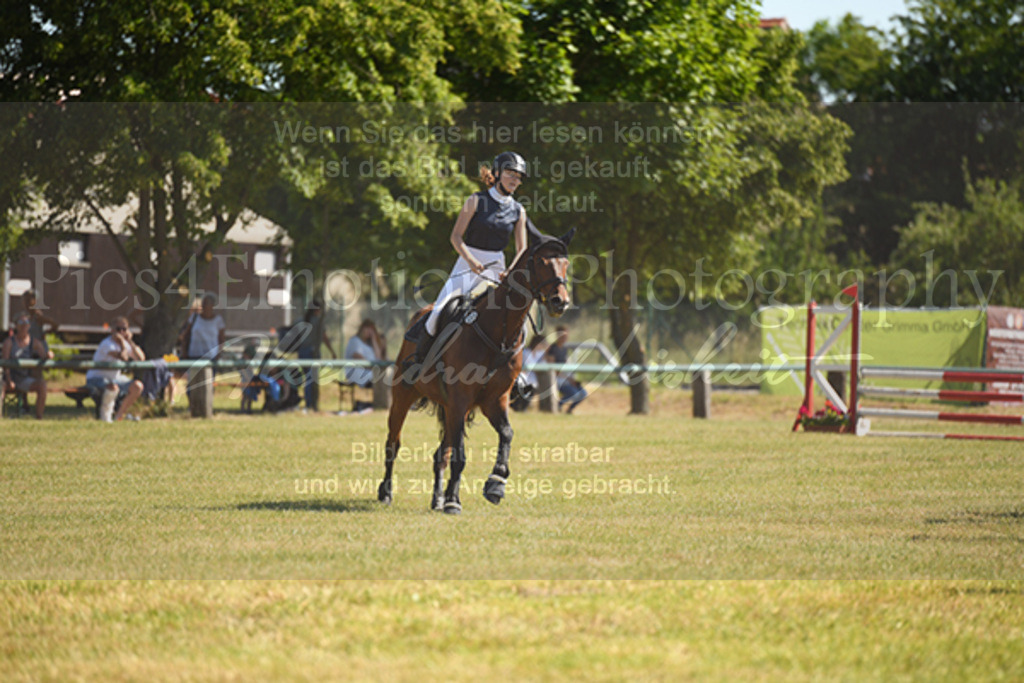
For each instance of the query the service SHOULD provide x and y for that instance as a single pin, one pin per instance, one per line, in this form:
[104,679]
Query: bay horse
[476,367]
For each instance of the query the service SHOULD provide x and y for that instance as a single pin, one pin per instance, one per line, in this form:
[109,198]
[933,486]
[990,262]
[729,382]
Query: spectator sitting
[534,354]
[569,388]
[367,344]
[111,382]
[252,384]
[22,346]
[37,320]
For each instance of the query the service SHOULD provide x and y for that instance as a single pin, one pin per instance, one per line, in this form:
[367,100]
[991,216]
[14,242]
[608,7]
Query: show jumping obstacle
[860,416]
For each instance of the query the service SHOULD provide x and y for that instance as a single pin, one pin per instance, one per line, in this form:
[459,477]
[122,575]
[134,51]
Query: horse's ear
[567,237]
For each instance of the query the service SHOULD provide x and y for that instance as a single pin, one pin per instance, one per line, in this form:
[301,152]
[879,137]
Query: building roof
[779,23]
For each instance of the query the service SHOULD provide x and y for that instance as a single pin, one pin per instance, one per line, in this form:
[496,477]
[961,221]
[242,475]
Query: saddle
[454,311]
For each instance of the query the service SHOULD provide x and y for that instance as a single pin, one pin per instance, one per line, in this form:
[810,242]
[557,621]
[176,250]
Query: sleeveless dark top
[491,226]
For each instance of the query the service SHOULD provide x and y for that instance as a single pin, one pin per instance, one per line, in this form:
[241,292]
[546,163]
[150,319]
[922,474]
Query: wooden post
[702,394]
[547,391]
[200,391]
[382,381]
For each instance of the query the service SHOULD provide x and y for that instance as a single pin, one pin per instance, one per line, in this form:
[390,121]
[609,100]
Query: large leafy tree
[839,62]
[232,71]
[956,51]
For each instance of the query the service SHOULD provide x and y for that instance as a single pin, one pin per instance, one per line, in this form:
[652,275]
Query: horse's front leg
[441,456]
[402,399]
[456,425]
[497,415]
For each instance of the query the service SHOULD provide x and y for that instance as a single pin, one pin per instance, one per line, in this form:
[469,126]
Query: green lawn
[663,497]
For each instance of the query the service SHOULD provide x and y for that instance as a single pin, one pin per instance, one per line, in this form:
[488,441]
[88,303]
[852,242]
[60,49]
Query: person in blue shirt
[570,389]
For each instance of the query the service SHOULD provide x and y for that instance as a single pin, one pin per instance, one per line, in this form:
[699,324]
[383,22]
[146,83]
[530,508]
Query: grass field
[915,548]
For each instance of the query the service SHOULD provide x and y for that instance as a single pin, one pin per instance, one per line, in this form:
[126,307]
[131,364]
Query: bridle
[537,288]
[537,291]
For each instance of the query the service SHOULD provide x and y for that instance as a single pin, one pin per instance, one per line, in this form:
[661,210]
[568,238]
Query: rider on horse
[488,220]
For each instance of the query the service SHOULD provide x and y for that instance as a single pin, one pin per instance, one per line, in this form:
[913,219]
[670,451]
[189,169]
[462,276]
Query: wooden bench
[80,394]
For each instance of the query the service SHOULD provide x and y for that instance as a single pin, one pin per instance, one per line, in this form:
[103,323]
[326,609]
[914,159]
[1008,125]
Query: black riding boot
[424,340]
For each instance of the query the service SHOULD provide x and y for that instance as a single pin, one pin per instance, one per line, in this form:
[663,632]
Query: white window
[279,297]
[264,262]
[72,252]
[18,286]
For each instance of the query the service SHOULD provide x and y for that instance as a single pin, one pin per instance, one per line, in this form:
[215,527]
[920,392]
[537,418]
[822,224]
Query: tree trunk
[626,334]
[161,327]
[622,292]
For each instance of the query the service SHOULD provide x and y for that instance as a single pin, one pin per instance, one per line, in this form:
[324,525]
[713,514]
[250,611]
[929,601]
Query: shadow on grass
[314,505]
[979,517]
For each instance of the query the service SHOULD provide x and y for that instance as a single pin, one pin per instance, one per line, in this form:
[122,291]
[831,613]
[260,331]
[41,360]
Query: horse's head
[548,264]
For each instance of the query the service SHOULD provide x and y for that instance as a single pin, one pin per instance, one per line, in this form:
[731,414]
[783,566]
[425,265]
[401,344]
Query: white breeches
[462,280]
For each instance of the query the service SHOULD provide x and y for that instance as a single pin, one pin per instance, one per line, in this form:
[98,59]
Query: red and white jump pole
[944,394]
[929,374]
[942,416]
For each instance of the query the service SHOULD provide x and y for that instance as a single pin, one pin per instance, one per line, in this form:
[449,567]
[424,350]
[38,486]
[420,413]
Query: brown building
[81,281]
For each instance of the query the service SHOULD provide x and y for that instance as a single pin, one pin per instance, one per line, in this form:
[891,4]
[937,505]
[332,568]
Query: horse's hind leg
[402,398]
[497,414]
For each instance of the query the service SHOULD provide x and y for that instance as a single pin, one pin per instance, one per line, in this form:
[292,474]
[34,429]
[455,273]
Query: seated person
[533,354]
[23,346]
[569,388]
[366,345]
[253,384]
[111,382]
[37,321]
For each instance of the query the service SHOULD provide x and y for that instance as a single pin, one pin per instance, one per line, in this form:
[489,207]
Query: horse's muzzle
[557,305]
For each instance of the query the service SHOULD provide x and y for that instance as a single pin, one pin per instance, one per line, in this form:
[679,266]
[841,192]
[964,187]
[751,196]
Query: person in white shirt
[206,337]
[111,381]
[366,345]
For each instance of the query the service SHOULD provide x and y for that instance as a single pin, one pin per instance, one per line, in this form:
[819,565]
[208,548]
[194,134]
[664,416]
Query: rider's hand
[476,267]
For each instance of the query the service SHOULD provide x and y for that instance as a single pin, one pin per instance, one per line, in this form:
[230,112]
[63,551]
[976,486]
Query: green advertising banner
[900,337]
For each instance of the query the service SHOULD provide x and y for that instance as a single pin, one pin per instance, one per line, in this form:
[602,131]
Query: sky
[802,14]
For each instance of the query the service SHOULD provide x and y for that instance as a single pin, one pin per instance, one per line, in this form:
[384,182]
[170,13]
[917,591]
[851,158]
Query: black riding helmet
[509,160]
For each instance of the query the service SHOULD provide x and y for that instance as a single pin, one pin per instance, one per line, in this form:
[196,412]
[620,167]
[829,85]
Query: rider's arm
[461,223]
[520,234]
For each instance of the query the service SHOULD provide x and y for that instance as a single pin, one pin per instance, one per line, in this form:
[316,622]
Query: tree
[956,51]
[968,256]
[839,62]
[210,156]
